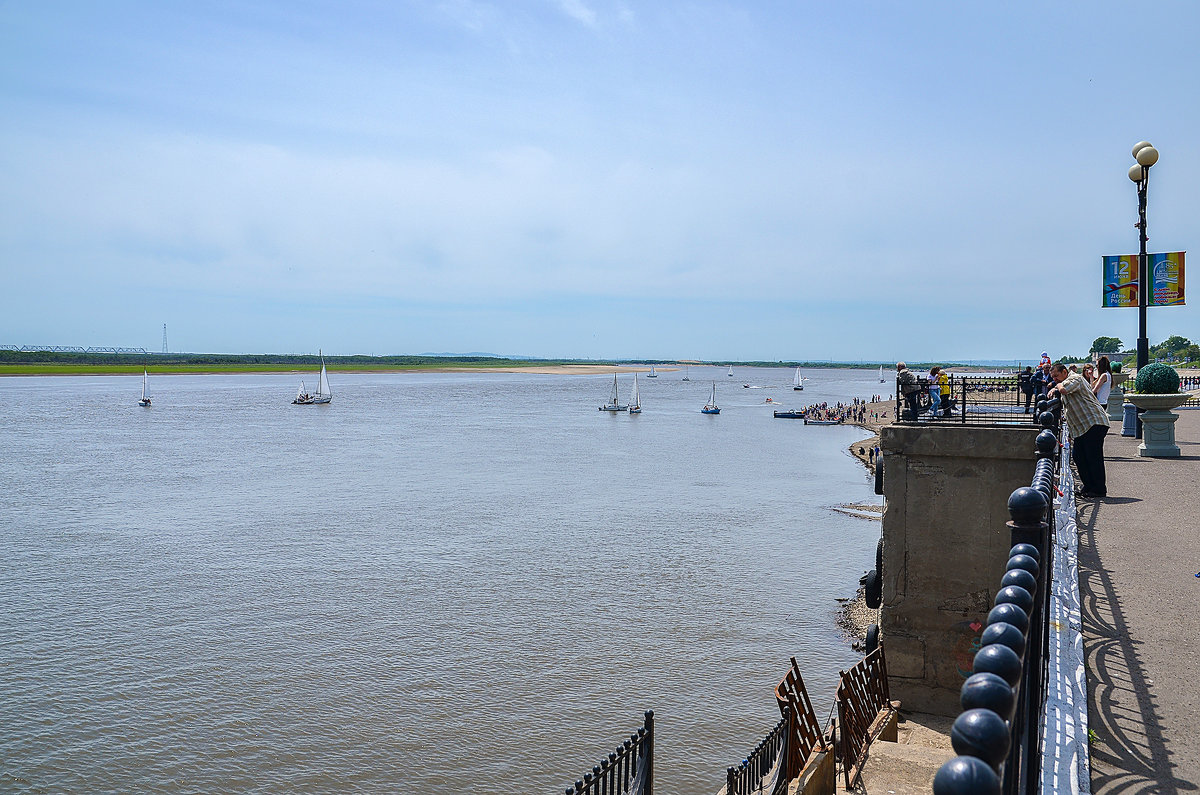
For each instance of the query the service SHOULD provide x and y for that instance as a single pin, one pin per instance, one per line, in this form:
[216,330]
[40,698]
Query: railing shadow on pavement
[1117,685]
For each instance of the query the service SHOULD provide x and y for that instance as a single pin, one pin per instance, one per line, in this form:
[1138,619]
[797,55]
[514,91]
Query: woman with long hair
[1102,384]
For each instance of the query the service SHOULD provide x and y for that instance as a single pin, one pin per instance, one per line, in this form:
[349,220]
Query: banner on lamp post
[1121,280]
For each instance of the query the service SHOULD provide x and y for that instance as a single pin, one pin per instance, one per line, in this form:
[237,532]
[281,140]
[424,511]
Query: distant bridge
[67,349]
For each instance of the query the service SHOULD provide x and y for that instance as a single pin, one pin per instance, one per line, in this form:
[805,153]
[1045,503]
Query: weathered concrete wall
[945,546]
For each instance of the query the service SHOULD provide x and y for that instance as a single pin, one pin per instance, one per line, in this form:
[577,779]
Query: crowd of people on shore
[855,411]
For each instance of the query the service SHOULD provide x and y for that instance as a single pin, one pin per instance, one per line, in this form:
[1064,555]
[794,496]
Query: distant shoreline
[132,364]
[18,370]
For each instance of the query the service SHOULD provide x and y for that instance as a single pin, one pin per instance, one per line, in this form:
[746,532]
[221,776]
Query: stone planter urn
[1116,397]
[1158,423]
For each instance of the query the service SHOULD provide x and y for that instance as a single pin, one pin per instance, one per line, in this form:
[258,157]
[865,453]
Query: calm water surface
[436,579]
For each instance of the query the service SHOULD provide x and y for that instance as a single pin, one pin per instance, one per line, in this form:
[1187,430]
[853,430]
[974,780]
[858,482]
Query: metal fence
[861,695]
[966,400]
[764,770]
[629,770]
[997,737]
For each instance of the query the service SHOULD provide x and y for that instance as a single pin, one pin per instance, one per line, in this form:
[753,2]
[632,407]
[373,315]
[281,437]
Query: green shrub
[1116,367]
[1157,379]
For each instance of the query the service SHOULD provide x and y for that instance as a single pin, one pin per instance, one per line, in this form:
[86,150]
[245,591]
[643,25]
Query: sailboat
[145,401]
[730,373]
[323,395]
[651,374]
[798,381]
[686,370]
[635,405]
[712,408]
[881,373]
[613,404]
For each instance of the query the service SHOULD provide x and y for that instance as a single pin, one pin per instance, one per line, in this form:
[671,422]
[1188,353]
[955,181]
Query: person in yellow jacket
[943,381]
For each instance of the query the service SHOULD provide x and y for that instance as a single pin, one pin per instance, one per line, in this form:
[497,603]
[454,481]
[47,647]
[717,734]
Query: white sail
[730,371]
[323,394]
[635,405]
[612,404]
[145,401]
[323,389]
[881,373]
[797,380]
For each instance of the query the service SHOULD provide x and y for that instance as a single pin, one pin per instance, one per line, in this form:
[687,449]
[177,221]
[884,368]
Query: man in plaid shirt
[1087,422]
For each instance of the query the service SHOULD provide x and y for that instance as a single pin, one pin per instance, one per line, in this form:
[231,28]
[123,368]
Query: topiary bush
[1157,379]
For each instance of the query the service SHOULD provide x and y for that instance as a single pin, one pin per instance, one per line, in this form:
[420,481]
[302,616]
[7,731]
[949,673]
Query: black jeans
[913,402]
[1088,453]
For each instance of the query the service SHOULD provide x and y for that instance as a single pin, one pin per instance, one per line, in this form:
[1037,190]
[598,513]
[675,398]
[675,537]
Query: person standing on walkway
[1087,422]
[1025,382]
[1102,384]
[943,380]
[909,388]
[935,393]
[1041,382]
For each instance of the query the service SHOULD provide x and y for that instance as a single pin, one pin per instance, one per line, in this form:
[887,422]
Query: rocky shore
[853,617]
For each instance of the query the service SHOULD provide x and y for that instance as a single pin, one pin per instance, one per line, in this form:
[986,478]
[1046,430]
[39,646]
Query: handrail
[627,771]
[998,736]
[763,771]
[970,400]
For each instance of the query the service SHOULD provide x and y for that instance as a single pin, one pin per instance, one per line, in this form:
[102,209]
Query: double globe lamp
[1146,156]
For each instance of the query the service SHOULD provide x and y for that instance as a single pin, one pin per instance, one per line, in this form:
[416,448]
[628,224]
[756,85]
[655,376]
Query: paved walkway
[1139,556]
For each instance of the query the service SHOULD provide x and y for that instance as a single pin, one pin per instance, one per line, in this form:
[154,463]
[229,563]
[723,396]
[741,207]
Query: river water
[437,581]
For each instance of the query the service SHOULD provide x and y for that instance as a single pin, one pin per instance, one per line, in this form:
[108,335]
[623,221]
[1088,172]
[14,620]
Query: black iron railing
[998,735]
[629,769]
[966,400]
[763,771]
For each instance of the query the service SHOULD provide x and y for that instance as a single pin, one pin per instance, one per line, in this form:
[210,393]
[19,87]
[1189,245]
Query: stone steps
[895,769]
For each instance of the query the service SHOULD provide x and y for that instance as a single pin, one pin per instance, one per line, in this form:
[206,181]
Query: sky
[590,178]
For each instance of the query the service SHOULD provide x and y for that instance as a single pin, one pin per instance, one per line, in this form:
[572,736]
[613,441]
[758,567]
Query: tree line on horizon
[1173,349]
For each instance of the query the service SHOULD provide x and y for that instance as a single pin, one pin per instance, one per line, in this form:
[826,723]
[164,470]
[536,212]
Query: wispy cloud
[578,10]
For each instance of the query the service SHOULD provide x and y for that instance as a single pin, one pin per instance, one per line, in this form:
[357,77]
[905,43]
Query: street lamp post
[1146,156]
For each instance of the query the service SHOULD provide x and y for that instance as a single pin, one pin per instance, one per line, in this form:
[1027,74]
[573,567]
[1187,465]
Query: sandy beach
[886,410]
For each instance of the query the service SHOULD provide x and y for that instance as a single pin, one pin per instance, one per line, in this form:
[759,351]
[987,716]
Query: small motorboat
[789,415]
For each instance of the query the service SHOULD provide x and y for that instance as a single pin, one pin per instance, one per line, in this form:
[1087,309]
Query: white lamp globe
[1135,172]
[1139,146]
[1147,156]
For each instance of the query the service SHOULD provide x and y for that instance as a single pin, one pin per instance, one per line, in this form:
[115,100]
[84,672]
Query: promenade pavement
[1139,557]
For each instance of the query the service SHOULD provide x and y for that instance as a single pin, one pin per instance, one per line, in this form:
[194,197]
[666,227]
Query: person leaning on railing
[909,387]
[1087,422]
